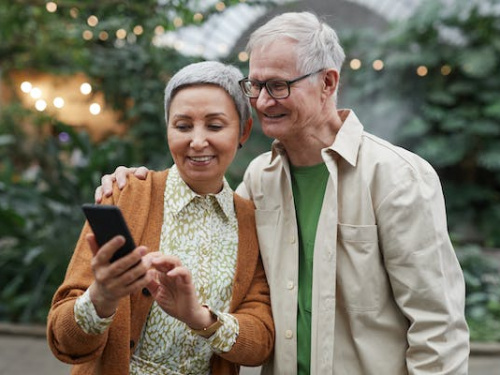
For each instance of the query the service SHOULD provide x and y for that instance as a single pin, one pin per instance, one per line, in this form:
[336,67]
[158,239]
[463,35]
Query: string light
[220,6]
[138,30]
[198,17]
[58,102]
[103,35]
[40,105]
[178,22]
[355,64]
[87,35]
[378,65]
[26,87]
[92,21]
[445,70]
[95,108]
[85,88]
[36,93]
[243,56]
[159,30]
[422,71]
[121,33]
[51,7]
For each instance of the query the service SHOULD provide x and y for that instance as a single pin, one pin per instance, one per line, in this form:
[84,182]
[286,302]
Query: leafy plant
[482,304]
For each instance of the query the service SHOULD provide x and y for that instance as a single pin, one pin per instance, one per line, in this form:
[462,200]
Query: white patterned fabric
[87,318]
[203,232]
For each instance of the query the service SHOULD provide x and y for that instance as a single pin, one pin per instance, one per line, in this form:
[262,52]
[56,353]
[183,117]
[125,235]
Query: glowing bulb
[95,108]
[36,93]
[445,70]
[26,87]
[87,35]
[422,71]
[178,22]
[85,88]
[355,64]
[243,56]
[51,7]
[121,34]
[92,21]
[40,105]
[58,102]
[138,30]
[378,65]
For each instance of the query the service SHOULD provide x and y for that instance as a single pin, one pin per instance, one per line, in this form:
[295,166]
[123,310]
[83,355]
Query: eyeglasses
[276,88]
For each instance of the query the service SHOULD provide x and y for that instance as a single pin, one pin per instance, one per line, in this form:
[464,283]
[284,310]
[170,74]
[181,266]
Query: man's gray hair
[318,45]
[212,73]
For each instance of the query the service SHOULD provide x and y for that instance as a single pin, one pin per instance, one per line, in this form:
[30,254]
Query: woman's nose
[198,141]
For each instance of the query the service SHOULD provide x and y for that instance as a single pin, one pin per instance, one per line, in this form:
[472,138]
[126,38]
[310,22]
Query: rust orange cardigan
[109,353]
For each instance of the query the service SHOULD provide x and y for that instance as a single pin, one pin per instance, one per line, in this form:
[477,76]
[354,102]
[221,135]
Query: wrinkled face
[203,135]
[294,116]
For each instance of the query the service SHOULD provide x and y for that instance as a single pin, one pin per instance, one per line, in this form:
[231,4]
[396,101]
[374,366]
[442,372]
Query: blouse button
[288,334]
[289,285]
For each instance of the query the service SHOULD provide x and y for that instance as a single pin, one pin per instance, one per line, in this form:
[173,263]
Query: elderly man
[352,229]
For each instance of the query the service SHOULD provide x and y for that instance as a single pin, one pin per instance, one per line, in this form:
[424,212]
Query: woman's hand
[174,291]
[116,280]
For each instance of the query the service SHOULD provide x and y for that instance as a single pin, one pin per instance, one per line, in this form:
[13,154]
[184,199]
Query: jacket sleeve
[425,275]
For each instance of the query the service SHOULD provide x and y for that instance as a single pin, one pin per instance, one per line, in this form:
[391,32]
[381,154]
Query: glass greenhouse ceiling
[216,37]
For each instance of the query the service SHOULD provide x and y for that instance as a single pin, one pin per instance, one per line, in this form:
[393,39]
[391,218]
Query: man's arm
[119,176]
[425,275]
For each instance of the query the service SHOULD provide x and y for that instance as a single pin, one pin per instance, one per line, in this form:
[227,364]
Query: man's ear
[246,131]
[330,81]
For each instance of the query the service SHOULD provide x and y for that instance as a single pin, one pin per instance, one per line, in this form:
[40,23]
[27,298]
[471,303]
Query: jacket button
[145,292]
[132,344]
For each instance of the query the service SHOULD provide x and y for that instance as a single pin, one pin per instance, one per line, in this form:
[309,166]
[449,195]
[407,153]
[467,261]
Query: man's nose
[264,98]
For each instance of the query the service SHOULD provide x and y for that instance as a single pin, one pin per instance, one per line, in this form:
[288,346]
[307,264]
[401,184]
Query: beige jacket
[109,353]
[388,291]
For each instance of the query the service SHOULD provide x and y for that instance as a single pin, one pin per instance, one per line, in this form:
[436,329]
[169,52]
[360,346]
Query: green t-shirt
[308,185]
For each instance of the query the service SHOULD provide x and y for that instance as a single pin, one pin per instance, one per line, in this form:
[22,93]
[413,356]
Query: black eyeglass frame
[262,84]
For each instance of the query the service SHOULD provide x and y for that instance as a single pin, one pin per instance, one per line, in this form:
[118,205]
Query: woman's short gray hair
[318,45]
[212,73]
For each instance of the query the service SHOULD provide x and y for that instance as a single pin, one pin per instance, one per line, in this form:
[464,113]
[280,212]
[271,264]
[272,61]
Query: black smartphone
[107,222]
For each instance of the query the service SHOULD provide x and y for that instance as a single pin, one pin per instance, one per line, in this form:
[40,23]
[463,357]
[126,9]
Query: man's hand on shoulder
[119,176]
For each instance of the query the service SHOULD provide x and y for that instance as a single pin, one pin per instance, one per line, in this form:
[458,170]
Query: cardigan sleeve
[251,303]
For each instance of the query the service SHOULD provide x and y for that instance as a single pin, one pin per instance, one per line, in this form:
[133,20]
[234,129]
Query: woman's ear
[246,131]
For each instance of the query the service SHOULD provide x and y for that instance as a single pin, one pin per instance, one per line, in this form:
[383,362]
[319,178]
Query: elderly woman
[193,297]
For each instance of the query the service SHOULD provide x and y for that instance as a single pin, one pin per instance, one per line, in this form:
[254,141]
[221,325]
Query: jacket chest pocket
[360,272]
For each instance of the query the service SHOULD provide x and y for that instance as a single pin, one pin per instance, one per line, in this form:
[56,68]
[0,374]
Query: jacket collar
[346,144]
[178,195]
